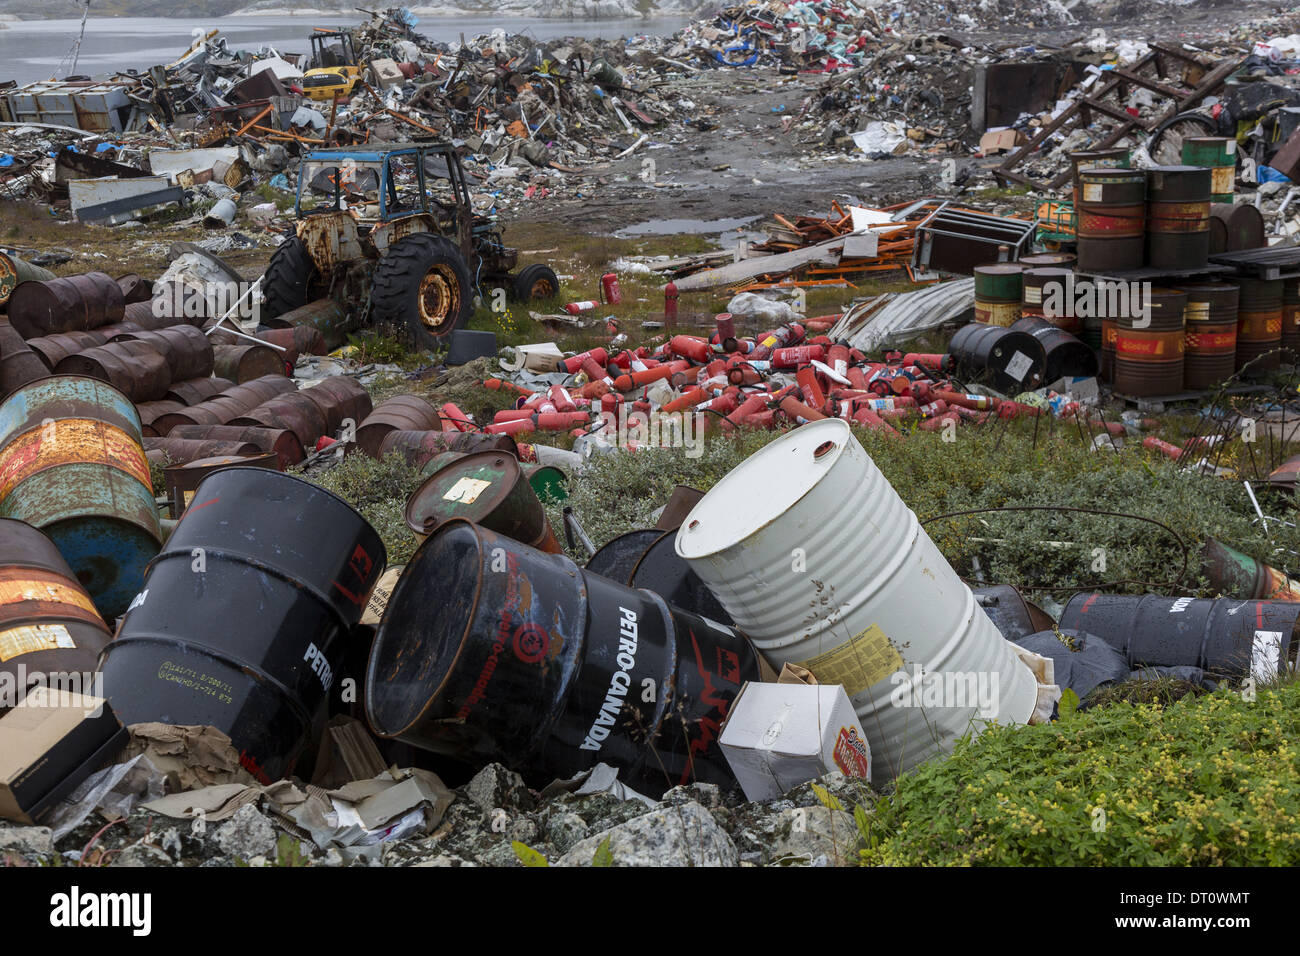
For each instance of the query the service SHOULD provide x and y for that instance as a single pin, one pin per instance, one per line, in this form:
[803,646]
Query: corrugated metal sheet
[894,318]
[99,107]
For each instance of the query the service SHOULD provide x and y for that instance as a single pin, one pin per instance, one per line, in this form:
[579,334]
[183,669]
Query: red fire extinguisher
[609,289]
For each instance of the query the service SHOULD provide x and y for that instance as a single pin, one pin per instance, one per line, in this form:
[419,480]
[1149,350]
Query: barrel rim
[261,472]
[499,495]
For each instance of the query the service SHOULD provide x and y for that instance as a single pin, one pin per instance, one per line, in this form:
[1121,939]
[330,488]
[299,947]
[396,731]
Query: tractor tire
[536,283]
[287,278]
[423,282]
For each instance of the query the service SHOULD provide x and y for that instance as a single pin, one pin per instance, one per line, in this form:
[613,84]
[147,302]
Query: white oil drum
[820,563]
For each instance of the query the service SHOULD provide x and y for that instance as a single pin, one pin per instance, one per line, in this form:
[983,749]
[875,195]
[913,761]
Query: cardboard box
[778,736]
[49,743]
[1001,141]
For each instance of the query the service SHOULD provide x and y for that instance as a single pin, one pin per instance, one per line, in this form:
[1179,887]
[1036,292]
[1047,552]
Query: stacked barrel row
[1159,218]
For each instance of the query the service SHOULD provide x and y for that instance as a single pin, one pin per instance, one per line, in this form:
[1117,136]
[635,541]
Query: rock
[142,854]
[246,834]
[495,787]
[707,795]
[445,859]
[804,834]
[26,842]
[563,830]
[683,835]
[849,791]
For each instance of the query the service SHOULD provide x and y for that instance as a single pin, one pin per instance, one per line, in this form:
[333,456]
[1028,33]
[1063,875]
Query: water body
[32,50]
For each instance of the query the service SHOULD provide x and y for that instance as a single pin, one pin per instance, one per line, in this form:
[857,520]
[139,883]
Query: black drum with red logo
[490,650]
[244,616]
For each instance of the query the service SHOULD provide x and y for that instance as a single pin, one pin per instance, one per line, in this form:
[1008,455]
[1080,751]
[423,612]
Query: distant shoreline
[431,13]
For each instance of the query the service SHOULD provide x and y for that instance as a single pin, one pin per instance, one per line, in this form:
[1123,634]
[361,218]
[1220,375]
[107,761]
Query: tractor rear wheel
[424,283]
[291,279]
[536,283]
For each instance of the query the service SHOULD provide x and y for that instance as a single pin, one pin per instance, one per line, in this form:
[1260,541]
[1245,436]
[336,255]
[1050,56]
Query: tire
[288,278]
[423,283]
[536,283]
[1165,146]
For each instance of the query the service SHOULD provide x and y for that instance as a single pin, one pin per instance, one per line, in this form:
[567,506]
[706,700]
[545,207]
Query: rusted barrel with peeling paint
[249,641]
[301,339]
[417,447]
[53,349]
[1149,351]
[187,350]
[281,442]
[1238,575]
[243,363]
[1064,356]
[488,488]
[1219,155]
[136,369]
[1045,294]
[50,631]
[1291,318]
[1111,216]
[1259,325]
[341,399]
[1236,227]
[326,316]
[135,288]
[194,391]
[72,465]
[402,413]
[536,663]
[68,304]
[182,480]
[14,271]
[231,403]
[1013,360]
[19,365]
[1178,217]
[154,315]
[151,412]
[1210,333]
[1225,637]
[180,451]
[292,410]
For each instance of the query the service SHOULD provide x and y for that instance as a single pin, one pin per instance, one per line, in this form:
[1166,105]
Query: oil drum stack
[1149,352]
[1209,356]
[1291,317]
[1259,324]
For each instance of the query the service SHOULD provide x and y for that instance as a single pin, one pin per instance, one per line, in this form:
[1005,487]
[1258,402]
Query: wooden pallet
[1275,262]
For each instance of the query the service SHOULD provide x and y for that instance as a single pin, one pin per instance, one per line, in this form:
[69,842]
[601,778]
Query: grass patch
[379,490]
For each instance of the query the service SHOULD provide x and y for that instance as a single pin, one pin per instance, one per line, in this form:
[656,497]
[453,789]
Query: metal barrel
[193,391]
[340,398]
[1111,218]
[48,623]
[1178,217]
[883,624]
[1149,358]
[1045,260]
[113,330]
[181,481]
[187,350]
[326,316]
[1209,354]
[53,349]
[154,314]
[281,442]
[1225,637]
[548,482]
[14,270]
[1219,155]
[997,293]
[662,570]
[617,558]
[249,641]
[417,447]
[402,413]
[243,363]
[544,667]
[1291,317]
[68,304]
[1286,476]
[1113,158]
[180,451]
[136,369]
[1011,614]
[1044,293]
[1234,228]
[1064,355]
[1238,575]
[151,412]
[135,288]
[1013,360]
[1259,325]
[72,465]
[292,410]
[230,404]
[488,488]
[19,365]
[1109,335]
[302,339]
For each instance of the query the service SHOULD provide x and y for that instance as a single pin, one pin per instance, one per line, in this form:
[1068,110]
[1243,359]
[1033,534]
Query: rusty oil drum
[1259,325]
[1178,217]
[136,369]
[1149,359]
[292,410]
[1218,636]
[1037,295]
[1234,228]
[1117,157]
[543,666]
[1111,218]
[230,404]
[193,391]
[14,270]
[1064,355]
[402,413]
[997,293]
[1291,319]
[1219,155]
[1013,360]
[181,481]
[186,349]
[19,365]
[180,451]
[244,363]
[283,443]
[488,488]
[72,465]
[1209,356]
[53,349]
[69,304]
[417,447]
[326,316]
[250,642]
[151,412]
[48,623]
[1234,574]
[342,400]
